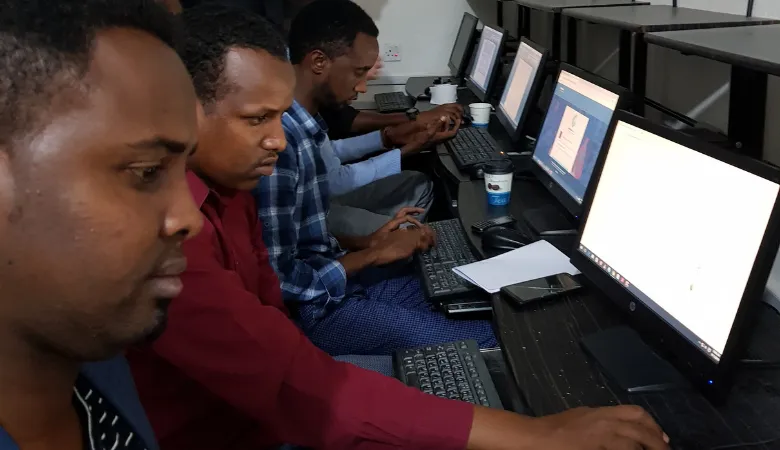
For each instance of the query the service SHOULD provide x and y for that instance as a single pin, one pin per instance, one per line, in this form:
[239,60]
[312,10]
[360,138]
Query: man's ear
[200,113]
[319,62]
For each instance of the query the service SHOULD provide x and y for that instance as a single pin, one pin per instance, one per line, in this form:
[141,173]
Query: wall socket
[391,52]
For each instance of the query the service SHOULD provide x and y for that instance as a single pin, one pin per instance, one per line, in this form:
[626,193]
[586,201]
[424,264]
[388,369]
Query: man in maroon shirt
[232,371]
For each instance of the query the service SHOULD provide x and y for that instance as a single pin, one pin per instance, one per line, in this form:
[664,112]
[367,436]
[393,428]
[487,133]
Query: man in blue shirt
[367,191]
[98,117]
[346,304]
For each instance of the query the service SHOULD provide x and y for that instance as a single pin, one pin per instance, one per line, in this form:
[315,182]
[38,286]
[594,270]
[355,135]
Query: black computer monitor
[486,62]
[464,45]
[522,87]
[682,235]
[573,132]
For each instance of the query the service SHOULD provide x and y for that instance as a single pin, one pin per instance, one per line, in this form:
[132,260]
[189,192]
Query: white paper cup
[498,182]
[480,114]
[442,94]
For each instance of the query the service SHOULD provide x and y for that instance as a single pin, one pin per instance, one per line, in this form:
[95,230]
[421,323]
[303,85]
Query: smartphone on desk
[540,289]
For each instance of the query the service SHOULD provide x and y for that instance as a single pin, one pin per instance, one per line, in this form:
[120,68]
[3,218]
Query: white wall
[425,29]
[725,6]
[767,8]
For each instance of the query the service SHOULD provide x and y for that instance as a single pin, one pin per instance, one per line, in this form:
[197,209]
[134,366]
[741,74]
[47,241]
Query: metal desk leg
[525,21]
[571,41]
[639,82]
[747,110]
[624,63]
[556,39]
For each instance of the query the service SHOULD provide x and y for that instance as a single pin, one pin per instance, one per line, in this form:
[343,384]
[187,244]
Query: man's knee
[423,188]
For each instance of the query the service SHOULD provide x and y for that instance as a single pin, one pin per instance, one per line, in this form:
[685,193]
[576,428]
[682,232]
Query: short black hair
[330,26]
[211,31]
[46,48]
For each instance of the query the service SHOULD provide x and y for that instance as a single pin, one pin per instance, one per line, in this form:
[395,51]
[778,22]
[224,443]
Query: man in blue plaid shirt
[347,303]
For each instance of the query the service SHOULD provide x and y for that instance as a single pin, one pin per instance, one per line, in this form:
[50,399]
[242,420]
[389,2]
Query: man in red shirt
[232,371]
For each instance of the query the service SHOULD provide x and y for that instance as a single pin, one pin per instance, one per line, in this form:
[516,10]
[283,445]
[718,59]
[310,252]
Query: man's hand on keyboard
[401,244]
[615,428]
[452,111]
[434,133]
[402,217]
[412,137]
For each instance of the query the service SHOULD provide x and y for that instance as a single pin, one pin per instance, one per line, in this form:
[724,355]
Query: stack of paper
[533,261]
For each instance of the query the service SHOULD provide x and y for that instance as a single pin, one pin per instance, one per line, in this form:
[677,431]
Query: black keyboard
[435,265]
[454,370]
[390,102]
[472,146]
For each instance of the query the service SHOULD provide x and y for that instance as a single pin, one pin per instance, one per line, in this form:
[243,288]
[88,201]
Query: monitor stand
[631,363]
[549,220]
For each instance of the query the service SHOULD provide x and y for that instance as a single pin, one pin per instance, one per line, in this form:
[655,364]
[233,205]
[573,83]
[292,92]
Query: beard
[154,332]
[327,98]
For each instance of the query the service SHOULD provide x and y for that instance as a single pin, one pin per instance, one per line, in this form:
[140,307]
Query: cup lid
[499,167]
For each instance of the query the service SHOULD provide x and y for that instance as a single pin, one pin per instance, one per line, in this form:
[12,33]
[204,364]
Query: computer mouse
[502,238]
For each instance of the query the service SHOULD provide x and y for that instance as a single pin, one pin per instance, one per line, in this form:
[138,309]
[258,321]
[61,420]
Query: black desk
[416,86]
[556,7]
[634,21]
[542,352]
[753,52]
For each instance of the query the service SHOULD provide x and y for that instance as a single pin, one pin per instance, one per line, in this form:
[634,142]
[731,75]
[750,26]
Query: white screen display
[487,53]
[680,230]
[518,87]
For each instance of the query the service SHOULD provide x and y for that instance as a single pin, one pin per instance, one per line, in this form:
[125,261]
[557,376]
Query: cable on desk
[760,364]
[752,444]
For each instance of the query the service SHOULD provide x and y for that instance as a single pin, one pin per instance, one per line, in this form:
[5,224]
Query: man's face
[241,133]
[95,205]
[346,75]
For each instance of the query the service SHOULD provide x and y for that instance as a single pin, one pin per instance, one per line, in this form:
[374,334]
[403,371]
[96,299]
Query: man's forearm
[368,121]
[354,243]
[495,430]
[354,262]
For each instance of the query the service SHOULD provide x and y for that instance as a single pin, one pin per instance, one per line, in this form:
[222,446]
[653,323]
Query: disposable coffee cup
[498,182]
[480,114]
[442,94]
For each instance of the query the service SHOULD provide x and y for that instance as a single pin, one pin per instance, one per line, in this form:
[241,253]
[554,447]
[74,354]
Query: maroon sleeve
[255,359]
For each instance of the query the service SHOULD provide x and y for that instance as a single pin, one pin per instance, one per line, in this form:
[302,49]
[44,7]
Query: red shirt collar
[198,188]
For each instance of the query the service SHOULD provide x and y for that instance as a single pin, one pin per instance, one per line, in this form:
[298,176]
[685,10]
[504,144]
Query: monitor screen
[487,58]
[573,131]
[518,86]
[679,230]
[463,42]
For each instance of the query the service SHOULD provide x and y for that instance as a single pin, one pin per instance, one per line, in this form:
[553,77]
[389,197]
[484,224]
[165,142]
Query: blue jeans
[389,313]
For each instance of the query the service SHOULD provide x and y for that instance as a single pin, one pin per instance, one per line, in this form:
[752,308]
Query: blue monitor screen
[573,132]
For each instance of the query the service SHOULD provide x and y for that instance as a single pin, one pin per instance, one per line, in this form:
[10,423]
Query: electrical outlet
[391,52]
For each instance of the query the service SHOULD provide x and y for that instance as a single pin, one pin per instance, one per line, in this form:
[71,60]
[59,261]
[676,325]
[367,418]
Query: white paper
[533,261]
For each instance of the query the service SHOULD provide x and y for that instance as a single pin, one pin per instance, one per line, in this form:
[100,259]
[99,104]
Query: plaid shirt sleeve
[295,233]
